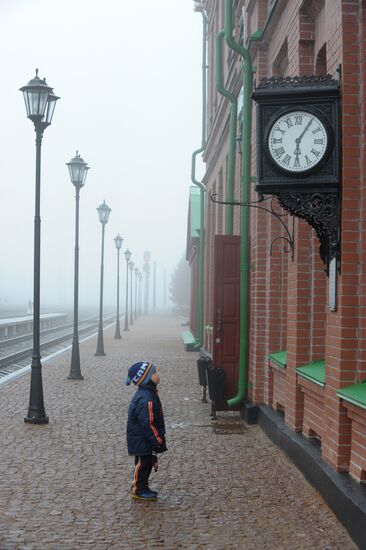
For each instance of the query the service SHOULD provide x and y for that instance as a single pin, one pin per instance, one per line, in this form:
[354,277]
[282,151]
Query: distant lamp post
[103,213]
[136,289]
[118,242]
[78,170]
[40,102]
[127,256]
[131,264]
[140,294]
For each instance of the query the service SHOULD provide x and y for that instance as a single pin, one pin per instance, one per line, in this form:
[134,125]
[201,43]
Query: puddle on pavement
[227,427]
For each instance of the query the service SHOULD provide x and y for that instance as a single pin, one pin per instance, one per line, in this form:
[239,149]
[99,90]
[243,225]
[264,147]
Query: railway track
[18,361]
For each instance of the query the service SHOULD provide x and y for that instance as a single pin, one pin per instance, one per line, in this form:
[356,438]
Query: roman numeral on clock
[279,152]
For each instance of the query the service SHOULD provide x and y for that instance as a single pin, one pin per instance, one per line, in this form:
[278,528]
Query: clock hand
[298,140]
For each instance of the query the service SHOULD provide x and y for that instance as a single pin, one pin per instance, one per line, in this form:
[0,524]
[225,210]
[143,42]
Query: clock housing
[290,104]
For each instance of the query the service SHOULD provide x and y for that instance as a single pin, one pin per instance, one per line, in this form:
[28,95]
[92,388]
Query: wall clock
[298,141]
[298,152]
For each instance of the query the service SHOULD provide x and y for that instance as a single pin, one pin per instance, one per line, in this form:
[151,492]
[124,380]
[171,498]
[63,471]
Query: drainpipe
[201,256]
[244,214]
[232,132]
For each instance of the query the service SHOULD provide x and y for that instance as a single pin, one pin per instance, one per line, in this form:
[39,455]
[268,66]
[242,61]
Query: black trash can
[202,363]
[216,384]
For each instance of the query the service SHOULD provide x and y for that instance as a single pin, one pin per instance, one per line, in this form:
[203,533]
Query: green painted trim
[195,214]
[201,251]
[257,35]
[314,372]
[247,72]
[355,394]
[229,209]
[280,358]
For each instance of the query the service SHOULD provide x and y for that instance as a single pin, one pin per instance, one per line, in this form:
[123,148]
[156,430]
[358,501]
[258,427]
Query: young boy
[145,427]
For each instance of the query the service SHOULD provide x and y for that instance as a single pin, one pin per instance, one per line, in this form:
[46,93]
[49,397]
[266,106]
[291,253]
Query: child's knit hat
[140,373]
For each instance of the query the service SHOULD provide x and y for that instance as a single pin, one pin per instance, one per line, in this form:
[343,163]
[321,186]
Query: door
[226,334]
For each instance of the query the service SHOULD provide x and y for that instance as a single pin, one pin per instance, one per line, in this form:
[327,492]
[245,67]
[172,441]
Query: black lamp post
[103,213]
[140,293]
[127,256]
[78,170]
[131,264]
[118,242]
[136,290]
[40,102]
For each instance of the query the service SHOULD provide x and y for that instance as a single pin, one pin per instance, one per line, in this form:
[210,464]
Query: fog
[128,74]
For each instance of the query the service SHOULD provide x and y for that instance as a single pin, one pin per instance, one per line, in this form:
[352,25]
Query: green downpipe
[229,217]
[201,253]
[244,214]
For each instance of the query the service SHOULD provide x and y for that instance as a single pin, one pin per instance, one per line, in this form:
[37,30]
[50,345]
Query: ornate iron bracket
[322,211]
[255,204]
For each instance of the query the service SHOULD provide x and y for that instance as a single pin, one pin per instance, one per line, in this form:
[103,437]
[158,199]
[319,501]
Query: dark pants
[143,467]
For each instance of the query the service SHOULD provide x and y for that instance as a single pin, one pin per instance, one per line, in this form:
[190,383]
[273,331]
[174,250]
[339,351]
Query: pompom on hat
[140,373]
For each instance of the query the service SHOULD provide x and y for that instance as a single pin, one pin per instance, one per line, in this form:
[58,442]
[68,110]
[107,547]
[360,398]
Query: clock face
[297,141]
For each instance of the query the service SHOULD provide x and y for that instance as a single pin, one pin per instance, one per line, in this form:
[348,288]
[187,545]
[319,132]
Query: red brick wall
[343,330]
[289,300]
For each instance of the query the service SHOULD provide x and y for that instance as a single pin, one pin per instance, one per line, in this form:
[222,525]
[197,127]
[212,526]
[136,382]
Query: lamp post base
[75,372]
[36,412]
[117,334]
[36,420]
[100,344]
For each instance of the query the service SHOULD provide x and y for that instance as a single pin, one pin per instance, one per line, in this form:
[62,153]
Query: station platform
[17,326]
[222,484]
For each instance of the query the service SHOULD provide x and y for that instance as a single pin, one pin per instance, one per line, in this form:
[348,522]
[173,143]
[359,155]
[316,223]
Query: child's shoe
[145,495]
[153,491]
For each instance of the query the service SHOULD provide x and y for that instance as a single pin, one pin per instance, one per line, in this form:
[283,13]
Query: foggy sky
[128,74]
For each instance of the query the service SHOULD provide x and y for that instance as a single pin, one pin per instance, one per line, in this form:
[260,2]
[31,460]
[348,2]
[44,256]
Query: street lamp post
[78,170]
[40,102]
[118,242]
[103,213]
[140,293]
[127,256]
[131,264]
[136,289]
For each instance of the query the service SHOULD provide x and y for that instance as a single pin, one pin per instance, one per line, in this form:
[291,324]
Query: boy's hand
[155,462]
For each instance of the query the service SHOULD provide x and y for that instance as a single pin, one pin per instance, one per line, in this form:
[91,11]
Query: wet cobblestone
[222,485]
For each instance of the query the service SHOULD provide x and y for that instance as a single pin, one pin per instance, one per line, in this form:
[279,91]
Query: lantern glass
[50,108]
[103,213]
[118,241]
[35,95]
[136,271]
[78,170]
[127,255]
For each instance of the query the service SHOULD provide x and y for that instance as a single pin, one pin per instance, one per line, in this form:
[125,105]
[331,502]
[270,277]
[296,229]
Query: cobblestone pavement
[223,485]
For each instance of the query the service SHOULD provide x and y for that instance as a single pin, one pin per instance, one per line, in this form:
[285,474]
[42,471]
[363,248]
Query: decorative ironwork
[321,211]
[296,81]
[255,204]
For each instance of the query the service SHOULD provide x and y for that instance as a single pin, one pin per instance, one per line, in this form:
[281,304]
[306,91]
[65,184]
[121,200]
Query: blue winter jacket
[145,424]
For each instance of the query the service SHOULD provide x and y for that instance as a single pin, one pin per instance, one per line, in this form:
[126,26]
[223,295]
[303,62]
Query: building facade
[305,359]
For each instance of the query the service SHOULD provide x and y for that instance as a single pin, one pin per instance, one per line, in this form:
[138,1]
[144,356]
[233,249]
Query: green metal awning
[280,358]
[315,372]
[355,394]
